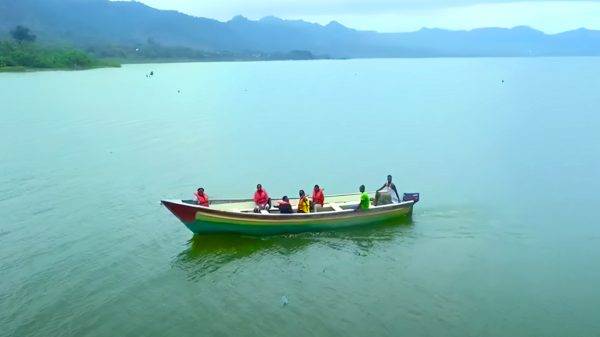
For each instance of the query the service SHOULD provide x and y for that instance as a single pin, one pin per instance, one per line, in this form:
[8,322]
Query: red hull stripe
[184,213]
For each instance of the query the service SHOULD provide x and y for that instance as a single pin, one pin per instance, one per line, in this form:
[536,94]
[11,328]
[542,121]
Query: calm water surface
[505,242]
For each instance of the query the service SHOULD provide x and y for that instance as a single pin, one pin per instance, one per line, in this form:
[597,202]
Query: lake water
[505,242]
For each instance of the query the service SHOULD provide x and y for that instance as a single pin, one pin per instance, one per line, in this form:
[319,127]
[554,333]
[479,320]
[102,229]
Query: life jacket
[285,207]
[318,197]
[303,205]
[202,199]
[261,197]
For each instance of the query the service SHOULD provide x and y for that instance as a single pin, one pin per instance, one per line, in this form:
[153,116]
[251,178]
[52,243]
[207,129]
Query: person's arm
[395,190]
[358,209]
[382,187]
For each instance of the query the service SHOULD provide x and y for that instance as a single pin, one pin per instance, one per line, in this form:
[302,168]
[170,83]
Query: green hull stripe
[213,224]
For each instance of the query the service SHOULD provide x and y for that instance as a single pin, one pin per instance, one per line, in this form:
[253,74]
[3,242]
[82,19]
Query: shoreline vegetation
[22,57]
[153,52]
[16,57]
[24,54]
[31,56]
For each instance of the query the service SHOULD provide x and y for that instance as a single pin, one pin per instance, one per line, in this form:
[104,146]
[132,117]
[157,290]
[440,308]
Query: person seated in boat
[389,188]
[261,199]
[303,203]
[318,199]
[365,200]
[284,205]
[201,197]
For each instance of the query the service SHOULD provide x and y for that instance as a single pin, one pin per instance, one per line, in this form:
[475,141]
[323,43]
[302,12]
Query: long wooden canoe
[237,216]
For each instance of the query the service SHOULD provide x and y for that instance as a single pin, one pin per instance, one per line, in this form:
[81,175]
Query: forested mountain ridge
[126,25]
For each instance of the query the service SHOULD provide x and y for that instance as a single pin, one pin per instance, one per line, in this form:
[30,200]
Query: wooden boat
[237,216]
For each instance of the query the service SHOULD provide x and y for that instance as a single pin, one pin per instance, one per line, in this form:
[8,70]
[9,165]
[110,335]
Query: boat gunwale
[233,201]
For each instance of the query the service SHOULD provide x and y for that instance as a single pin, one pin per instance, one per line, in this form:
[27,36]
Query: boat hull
[203,220]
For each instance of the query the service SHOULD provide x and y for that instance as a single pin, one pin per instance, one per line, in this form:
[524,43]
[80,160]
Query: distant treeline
[152,51]
[15,56]
[23,53]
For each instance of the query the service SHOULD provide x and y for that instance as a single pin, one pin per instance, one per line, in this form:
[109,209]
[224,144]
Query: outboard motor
[411,196]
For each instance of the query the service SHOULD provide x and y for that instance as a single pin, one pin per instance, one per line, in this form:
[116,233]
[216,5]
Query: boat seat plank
[336,207]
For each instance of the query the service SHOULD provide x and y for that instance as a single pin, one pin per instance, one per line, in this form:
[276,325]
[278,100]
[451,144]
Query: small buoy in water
[179,91]
[284,300]
[152,73]
[502,81]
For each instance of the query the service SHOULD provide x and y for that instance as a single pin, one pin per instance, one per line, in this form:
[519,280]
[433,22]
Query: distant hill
[125,24]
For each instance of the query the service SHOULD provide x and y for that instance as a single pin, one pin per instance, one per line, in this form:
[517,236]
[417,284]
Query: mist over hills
[92,23]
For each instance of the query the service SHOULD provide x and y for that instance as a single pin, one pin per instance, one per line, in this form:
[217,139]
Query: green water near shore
[505,241]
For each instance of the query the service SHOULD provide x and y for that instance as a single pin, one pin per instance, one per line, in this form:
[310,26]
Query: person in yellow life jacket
[303,203]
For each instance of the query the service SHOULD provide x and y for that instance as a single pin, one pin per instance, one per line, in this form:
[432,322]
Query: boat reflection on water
[209,253]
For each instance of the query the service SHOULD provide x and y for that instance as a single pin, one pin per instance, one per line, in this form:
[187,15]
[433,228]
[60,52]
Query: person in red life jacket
[318,199]
[261,199]
[202,197]
[303,203]
[284,206]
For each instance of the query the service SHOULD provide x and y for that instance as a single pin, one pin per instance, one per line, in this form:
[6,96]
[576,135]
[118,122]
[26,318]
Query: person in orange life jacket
[303,203]
[202,197]
[261,199]
[317,198]
[284,206]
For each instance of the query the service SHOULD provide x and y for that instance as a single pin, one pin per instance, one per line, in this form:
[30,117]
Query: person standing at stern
[391,189]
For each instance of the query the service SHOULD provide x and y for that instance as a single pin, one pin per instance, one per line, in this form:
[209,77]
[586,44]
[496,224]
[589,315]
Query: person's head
[317,187]
[285,198]
[258,187]
[361,188]
[201,191]
[301,193]
[389,178]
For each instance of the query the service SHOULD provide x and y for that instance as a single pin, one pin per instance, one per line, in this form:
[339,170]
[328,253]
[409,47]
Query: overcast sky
[404,15]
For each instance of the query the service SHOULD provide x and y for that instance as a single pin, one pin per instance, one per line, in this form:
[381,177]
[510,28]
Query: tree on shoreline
[22,34]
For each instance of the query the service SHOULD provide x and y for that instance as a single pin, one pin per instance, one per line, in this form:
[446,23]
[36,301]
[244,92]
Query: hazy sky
[404,15]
